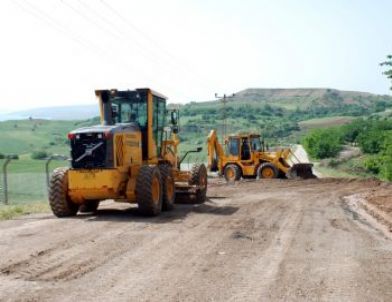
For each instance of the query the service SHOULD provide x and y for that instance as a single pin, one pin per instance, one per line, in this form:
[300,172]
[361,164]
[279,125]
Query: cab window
[233,147]
[133,110]
[159,120]
[256,144]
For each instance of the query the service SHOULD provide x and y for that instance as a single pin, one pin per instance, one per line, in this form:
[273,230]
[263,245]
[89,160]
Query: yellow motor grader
[245,156]
[130,157]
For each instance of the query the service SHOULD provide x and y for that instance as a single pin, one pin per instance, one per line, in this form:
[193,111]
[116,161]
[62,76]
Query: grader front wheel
[199,178]
[59,200]
[149,191]
[168,187]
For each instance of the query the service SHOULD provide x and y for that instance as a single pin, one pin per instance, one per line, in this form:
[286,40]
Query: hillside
[81,112]
[279,114]
[25,136]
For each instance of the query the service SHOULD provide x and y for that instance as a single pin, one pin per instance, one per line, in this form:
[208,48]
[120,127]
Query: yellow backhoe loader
[245,156]
[130,157]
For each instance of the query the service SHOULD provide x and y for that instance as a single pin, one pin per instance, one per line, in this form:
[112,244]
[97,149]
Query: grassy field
[27,180]
[325,122]
[25,136]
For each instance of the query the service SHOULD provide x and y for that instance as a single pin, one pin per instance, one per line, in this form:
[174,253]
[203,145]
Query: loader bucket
[303,171]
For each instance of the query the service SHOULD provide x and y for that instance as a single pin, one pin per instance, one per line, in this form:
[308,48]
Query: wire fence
[26,183]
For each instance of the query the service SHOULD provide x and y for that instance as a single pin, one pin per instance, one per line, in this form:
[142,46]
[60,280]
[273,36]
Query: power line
[42,16]
[119,29]
[53,23]
[116,36]
[155,43]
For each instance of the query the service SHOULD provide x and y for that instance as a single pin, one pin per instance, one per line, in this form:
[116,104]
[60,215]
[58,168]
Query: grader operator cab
[130,157]
[245,156]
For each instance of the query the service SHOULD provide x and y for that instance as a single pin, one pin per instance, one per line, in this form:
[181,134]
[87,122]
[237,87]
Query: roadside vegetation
[373,136]
[13,211]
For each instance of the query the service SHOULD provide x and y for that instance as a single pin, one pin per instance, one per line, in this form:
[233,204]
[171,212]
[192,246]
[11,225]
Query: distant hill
[280,115]
[80,112]
[288,99]
[305,98]
[277,113]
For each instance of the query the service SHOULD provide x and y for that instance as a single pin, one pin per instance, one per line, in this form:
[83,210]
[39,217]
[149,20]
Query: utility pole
[224,101]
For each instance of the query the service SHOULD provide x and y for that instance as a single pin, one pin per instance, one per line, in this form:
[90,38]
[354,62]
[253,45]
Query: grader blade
[303,171]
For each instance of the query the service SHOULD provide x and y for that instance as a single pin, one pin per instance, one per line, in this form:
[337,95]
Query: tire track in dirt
[256,240]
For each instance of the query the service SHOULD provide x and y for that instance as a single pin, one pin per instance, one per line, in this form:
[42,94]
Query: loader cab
[143,108]
[243,147]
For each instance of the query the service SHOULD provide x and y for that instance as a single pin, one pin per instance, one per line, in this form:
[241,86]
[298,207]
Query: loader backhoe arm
[215,151]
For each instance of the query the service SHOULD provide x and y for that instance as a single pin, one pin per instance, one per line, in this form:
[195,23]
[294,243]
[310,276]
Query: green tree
[323,143]
[388,64]
[371,141]
[386,158]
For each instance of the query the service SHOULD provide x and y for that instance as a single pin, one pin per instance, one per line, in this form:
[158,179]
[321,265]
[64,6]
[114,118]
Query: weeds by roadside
[13,211]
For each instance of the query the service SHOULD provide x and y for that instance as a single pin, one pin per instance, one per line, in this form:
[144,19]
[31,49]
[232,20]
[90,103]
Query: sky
[57,52]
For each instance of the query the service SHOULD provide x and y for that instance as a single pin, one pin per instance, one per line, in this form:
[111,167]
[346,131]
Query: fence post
[47,170]
[5,183]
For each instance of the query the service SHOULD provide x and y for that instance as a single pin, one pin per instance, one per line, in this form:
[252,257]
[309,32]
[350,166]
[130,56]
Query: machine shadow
[180,212]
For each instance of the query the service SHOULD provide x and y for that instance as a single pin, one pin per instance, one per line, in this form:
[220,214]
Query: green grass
[333,172]
[25,136]
[325,122]
[31,165]
[27,180]
[13,211]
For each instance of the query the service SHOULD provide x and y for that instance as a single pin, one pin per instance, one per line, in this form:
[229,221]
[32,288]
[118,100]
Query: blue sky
[58,52]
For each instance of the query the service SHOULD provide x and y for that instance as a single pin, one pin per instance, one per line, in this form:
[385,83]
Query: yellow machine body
[129,151]
[249,162]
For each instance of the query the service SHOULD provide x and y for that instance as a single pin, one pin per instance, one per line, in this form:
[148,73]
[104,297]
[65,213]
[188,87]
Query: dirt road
[252,241]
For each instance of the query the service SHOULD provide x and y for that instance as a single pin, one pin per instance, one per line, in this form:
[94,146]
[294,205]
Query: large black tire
[267,171]
[59,200]
[149,191]
[199,178]
[168,187]
[89,206]
[232,172]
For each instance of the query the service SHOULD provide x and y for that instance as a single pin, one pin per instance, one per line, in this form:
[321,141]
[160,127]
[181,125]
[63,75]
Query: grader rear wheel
[168,187]
[149,191]
[199,178]
[59,200]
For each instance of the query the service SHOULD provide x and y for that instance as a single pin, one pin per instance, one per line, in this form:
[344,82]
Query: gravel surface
[276,240]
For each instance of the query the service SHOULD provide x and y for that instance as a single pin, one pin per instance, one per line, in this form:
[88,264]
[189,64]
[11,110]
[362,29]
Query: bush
[372,164]
[2,156]
[371,141]
[323,143]
[386,158]
[39,155]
